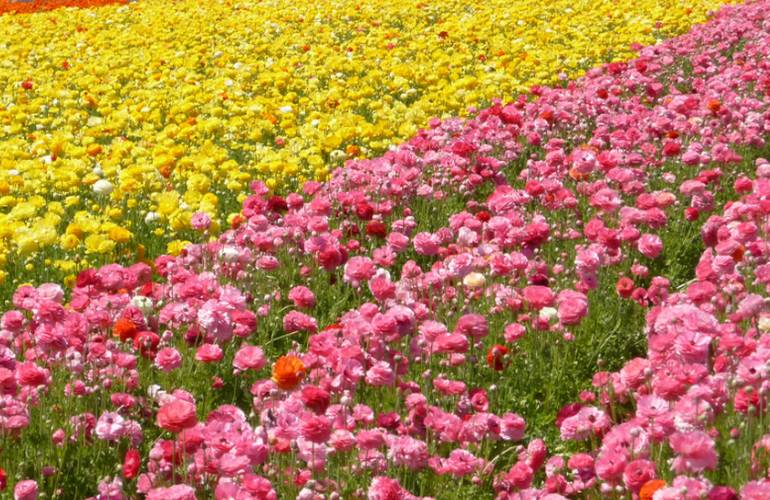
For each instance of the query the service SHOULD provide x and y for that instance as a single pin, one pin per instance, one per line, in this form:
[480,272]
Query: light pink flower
[249,357]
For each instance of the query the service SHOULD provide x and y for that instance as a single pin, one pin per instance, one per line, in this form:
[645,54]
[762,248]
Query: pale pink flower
[249,357]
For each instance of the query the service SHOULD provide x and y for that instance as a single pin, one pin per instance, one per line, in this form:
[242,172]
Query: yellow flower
[120,235]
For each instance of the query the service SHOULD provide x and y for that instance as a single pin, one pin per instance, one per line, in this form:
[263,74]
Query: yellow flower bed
[118,123]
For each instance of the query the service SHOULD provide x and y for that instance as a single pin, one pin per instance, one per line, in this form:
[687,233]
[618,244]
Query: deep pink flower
[168,359]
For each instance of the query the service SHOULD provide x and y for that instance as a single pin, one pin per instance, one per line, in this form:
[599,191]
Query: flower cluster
[117,125]
[29,6]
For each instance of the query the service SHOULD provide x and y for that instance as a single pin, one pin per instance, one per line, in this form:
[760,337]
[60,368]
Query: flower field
[239,291]
[119,123]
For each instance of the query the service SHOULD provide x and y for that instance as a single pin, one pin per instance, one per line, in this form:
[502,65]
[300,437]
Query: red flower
[146,342]
[691,214]
[495,357]
[376,228]
[483,216]
[3,479]
[131,463]
[26,84]
[315,398]
[625,287]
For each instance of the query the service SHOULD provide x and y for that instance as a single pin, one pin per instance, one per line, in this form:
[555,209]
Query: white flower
[548,314]
[151,217]
[142,303]
[474,280]
[285,109]
[764,323]
[102,187]
[229,254]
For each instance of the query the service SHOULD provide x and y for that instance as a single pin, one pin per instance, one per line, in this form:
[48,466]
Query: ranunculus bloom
[177,416]
[168,359]
[538,296]
[209,353]
[316,428]
[495,356]
[125,329]
[25,490]
[288,371]
[176,492]
[302,297]
[650,245]
[249,358]
[131,463]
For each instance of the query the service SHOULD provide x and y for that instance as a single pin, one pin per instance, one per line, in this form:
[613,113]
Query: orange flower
[650,487]
[288,371]
[125,329]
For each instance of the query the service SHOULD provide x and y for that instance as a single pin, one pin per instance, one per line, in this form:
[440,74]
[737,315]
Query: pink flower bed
[555,196]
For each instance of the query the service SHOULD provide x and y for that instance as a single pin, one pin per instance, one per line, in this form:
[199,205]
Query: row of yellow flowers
[118,123]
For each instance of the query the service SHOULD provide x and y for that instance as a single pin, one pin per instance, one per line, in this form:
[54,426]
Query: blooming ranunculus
[168,359]
[177,416]
[249,357]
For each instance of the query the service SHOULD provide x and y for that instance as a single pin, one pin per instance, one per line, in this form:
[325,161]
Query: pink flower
[473,325]
[302,297]
[637,473]
[520,475]
[426,244]
[514,332]
[650,245]
[451,343]
[177,416]
[176,492]
[316,428]
[295,321]
[359,269]
[25,490]
[695,452]
[538,296]
[610,465]
[110,426]
[512,427]
[29,374]
[315,398]
[385,488]
[209,353]
[409,452]
[380,374]
[168,359]
[200,221]
[214,320]
[249,357]
[573,307]
[461,463]
[586,422]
